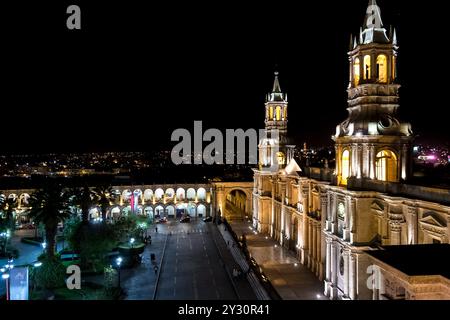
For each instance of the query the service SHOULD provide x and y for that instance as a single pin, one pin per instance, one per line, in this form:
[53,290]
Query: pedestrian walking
[156,269]
[156,229]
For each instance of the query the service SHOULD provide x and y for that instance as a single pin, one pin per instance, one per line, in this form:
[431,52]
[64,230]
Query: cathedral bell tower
[274,150]
[373,144]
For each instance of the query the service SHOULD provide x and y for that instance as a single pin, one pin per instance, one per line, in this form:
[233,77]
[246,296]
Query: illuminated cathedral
[338,226]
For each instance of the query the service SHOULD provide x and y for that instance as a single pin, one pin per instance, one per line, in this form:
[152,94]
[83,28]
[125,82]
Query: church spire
[276,84]
[276,95]
[373,16]
[373,31]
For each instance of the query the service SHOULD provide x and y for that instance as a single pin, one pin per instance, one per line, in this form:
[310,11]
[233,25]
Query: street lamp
[5,275]
[118,263]
[132,241]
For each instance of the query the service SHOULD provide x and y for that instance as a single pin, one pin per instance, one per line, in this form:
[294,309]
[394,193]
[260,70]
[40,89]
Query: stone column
[334,271]
[310,247]
[319,260]
[346,254]
[352,276]
[329,242]
[395,233]
[372,162]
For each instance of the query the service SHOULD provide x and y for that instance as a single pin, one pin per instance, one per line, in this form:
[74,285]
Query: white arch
[170,193]
[191,210]
[115,212]
[190,194]
[181,194]
[159,194]
[170,211]
[201,210]
[126,194]
[148,195]
[23,199]
[159,211]
[201,194]
[94,213]
[12,196]
[148,211]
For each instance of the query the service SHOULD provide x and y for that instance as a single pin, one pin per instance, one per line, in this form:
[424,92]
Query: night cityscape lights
[258,206]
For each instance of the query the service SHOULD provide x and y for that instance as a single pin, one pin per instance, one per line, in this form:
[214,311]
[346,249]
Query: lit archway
[190,194]
[148,195]
[278,113]
[159,212]
[170,193]
[148,212]
[387,166]
[201,194]
[367,67]
[115,212]
[356,71]
[170,212]
[201,211]
[345,167]
[159,194]
[382,68]
[126,195]
[181,194]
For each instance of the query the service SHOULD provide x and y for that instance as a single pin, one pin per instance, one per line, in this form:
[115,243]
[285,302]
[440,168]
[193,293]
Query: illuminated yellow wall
[356,71]
[278,113]
[271,113]
[382,68]
[281,158]
[345,166]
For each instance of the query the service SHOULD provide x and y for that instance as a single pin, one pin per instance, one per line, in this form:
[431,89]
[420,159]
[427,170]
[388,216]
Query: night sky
[136,72]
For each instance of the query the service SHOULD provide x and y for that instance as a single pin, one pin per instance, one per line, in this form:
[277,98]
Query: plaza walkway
[291,280]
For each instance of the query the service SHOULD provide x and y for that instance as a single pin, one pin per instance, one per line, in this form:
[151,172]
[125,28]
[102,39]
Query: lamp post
[5,275]
[118,263]
[131,242]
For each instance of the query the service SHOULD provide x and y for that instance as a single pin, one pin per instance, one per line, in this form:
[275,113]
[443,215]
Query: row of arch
[169,194]
[381,66]
[22,199]
[386,166]
[153,212]
[278,113]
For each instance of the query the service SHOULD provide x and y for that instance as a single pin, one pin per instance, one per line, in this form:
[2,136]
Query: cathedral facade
[368,203]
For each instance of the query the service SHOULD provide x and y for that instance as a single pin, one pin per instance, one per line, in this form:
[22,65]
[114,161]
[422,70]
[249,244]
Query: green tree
[82,198]
[8,207]
[49,206]
[104,195]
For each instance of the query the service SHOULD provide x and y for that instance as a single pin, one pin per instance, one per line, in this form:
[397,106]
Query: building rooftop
[416,260]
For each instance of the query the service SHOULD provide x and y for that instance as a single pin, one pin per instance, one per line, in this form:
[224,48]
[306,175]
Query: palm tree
[7,206]
[104,195]
[84,199]
[50,206]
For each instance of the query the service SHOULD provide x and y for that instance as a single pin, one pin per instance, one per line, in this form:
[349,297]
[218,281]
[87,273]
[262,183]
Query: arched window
[345,166]
[356,71]
[271,113]
[367,67]
[285,113]
[382,68]
[278,113]
[281,158]
[386,165]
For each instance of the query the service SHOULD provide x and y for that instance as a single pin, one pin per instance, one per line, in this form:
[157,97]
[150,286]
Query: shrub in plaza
[50,275]
[93,242]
